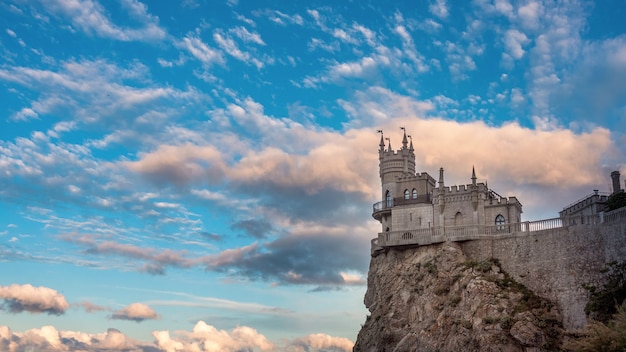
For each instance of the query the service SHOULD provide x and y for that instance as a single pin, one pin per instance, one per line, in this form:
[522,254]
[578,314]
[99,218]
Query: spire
[404,141]
[411,146]
[381,145]
[473,176]
[389,149]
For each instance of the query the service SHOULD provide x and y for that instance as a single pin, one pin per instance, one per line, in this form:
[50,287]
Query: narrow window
[406,194]
[414,193]
[388,200]
[500,222]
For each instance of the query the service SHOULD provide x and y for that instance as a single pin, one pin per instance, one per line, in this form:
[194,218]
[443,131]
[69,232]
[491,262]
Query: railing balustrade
[438,234]
[615,215]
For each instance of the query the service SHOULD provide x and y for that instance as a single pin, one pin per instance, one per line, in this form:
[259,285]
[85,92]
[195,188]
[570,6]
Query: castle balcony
[384,207]
[438,234]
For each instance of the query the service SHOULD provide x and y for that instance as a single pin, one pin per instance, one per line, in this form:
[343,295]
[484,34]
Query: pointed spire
[381,145]
[473,176]
[404,141]
[411,146]
[389,149]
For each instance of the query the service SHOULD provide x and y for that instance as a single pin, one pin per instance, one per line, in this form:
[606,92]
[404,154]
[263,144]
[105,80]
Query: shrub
[603,302]
[597,336]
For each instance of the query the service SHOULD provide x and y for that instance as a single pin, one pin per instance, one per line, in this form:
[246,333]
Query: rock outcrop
[433,298]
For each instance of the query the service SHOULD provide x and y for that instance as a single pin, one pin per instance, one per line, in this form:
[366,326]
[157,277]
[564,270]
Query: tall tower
[402,190]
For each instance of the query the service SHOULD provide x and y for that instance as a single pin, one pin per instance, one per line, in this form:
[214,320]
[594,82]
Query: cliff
[433,298]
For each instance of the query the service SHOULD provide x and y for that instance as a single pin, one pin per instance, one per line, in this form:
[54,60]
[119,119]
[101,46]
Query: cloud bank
[203,337]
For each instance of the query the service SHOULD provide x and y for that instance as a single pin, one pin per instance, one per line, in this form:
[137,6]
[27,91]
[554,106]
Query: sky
[199,175]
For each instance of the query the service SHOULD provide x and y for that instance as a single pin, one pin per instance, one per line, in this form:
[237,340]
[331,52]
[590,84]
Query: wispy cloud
[90,17]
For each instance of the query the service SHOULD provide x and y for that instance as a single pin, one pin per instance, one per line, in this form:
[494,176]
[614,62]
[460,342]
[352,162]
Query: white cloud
[247,36]
[514,41]
[90,17]
[201,51]
[530,14]
[439,8]
[229,46]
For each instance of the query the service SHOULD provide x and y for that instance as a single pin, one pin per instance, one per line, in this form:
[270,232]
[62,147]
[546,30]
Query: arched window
[406,194]
[458,219]
[388,200]
[414,193]
[500,221]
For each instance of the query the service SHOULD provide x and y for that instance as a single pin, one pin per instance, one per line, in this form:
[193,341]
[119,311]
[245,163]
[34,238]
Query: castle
[415,210]
[555,258]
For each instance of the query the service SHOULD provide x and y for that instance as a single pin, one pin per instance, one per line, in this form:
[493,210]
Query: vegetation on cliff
[606,330]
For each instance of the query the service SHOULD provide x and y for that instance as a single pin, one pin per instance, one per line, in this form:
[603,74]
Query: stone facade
[412,201]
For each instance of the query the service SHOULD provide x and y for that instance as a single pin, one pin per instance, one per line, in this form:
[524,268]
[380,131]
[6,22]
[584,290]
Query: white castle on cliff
[416,211]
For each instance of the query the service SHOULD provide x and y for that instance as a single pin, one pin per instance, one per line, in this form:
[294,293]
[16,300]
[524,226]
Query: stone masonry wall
[556,263]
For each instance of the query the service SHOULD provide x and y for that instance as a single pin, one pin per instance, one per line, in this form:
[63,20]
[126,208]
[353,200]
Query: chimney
[615,177]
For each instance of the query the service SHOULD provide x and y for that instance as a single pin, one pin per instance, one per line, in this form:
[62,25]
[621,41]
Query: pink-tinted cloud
[20,298]
[203,337]
[136,312]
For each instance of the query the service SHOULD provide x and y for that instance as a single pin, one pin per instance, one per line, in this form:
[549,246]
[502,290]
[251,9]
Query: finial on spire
[404,141]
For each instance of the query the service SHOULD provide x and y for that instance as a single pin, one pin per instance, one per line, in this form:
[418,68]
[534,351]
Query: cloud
[247,36]
[136,312]
[201,51]
[155,261]
[320,342]
[27,298]
[90,17]
[202,337]
[48,338]
[439,8]
[257,228]
[91,307]
[514,40]
[312,256]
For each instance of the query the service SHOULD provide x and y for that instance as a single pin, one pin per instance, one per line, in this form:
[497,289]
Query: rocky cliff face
[434,299]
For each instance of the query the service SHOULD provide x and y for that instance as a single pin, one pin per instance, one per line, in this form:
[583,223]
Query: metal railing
[397,201]
[439,234]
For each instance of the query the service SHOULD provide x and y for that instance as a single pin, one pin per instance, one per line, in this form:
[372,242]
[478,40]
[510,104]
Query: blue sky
[196,174]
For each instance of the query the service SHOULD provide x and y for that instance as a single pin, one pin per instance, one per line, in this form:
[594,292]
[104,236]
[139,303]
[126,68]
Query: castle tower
[401,186]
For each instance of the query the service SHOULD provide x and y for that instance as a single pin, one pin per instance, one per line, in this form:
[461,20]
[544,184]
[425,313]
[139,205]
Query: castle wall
[416,216]
[556,263]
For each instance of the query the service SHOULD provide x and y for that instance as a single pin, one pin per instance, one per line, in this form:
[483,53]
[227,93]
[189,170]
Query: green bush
[603,302]
[617,200]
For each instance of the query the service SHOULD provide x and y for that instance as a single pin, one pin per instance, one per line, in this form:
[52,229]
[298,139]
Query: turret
[474,190]
[615,178]
[395,163]
[441,193]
